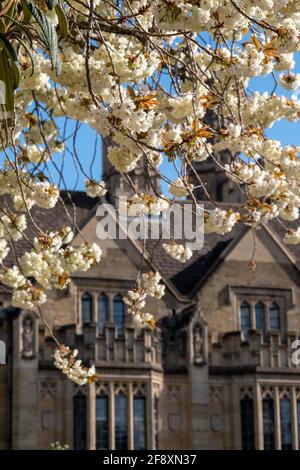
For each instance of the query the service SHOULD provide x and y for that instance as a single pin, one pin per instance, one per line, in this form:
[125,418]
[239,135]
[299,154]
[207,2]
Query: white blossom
[178,251]
[46,195]
[292,237]
[65,360]
[4,249]
[94,189]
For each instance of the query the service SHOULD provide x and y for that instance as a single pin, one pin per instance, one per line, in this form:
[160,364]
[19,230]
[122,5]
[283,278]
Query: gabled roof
[278,232]
[77,207]
[186,276]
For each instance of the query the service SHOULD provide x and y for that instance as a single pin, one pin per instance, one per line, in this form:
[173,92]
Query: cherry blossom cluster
[148,285]
[121,100]
[94,189]
[220,221]
[145,204]
[142,119]
[65,360]
[178,251]
[168,85]
[49,264]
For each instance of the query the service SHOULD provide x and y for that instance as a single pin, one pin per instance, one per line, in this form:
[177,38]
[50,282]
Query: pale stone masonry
[216,373]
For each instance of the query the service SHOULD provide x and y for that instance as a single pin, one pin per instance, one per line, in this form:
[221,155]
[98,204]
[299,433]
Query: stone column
[150,415]
[295,436]
[95,307]
[199,393]
[111,417]
[267,318]
[277,419]
[130,418]
[259,430]
[68,393]
[91,416]
[252,315]
[236,416]
[110,308]
[26,419]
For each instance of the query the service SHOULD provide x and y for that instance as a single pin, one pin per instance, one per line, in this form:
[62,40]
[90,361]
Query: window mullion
[294,420]
[130,418]
[111,417]
[277,419]
[91,414]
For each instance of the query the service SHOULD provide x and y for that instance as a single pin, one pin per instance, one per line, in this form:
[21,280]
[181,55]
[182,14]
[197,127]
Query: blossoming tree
[144,75]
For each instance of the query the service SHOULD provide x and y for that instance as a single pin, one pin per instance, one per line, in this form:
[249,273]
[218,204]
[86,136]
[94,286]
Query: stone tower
[144,179]
[216,183]
[220,188]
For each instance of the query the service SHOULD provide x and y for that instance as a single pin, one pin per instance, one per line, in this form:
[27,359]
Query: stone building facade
[216,373]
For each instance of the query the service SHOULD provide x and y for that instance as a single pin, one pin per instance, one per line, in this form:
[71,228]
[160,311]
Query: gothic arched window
[121,421]
[86,308]
[260,317]
[286,423]
[274,317]
[80,422]
[119,314]
[101,421]
[102,313]
[245,318]
[247,423]
[139,406]
[269,423]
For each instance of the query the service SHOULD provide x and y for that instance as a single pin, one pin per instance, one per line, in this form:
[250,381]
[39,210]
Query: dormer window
[260,317]
[119,314]
[245,318]
[86,308]
[102,313]
[262,309]
[274,317]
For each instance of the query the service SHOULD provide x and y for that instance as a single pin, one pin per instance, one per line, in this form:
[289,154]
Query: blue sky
[287,133]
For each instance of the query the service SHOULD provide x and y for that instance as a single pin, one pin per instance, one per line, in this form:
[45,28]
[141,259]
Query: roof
[278,229]
[186,276]
[75,209]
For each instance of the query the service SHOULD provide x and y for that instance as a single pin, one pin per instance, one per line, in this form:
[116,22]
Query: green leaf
[12,60]
[48,32]
[2,26]
[13,10]
[8,79]
[62,27]
[20,26]
[26,11]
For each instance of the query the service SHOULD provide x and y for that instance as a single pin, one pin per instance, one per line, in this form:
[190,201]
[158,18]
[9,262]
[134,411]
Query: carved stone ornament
[2,352]
[28,336]
[198,344]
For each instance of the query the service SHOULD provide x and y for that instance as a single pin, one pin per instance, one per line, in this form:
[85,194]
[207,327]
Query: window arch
[119,314]
[274,317]
[102,421]
[139,406]
[260,317]
[86,307]
[286,423]
[268,423]
[245,318]
[121,420]
[80,421]
[102,312]
[247,423]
